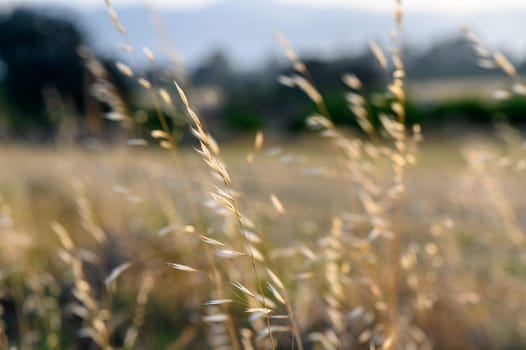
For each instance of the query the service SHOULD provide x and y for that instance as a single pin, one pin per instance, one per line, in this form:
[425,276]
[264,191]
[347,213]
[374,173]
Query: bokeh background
[227,51]
[374,205]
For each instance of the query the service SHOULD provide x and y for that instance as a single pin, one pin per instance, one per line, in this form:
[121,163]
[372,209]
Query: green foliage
[468,110]
[338,109]
[514,110]
[45,79]
[40,51]
[475,112]
[242,117]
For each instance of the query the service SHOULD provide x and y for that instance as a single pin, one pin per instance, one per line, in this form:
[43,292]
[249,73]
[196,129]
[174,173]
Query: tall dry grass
[376,242]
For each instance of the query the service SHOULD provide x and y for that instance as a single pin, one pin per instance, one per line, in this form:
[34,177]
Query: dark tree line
[40,54]
[40,51]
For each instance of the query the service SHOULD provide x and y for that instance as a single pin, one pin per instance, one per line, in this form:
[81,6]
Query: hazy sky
[443,6]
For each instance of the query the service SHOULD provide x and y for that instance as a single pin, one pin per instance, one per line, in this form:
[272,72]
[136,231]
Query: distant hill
[243,29]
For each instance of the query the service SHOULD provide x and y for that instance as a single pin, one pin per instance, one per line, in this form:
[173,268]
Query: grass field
[451,89]
[378,239]
[462,269]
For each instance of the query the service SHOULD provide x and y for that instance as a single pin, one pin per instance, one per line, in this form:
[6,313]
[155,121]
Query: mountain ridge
[243,30]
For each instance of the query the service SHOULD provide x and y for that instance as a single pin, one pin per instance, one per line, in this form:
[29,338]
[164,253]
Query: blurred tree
[451,57]
[215,70]
[38,52]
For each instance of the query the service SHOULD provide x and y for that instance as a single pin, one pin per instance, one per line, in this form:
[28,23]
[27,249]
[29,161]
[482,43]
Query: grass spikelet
[276,294]
[189,228]
[212,241]
[147,284]
[275,279]
[184,100]
[319,122]
[115,116]
[115,19]
[124,69]
[388,343]
[165,96]
[251,236]
[63,236]
[255,253]
[228,253]
[277,204]
[165,144]
[273,329]
[215,318]
[160,134]
[116,273]
[218,302]
[503,62]
[86,213]
[243,289]
[247,223]
[308,89]
[182,267]
[167,229]
[398,13]
[258,310]
[286,81]
[227,203]
[149,54]
[291,55]
[352,81]
[125,47]
[378,55]
[258,140]
[145,83]
[308,253]
[212,143]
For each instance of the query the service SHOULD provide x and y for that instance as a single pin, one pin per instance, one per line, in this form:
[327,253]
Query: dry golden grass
[462,257]
[336,242]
